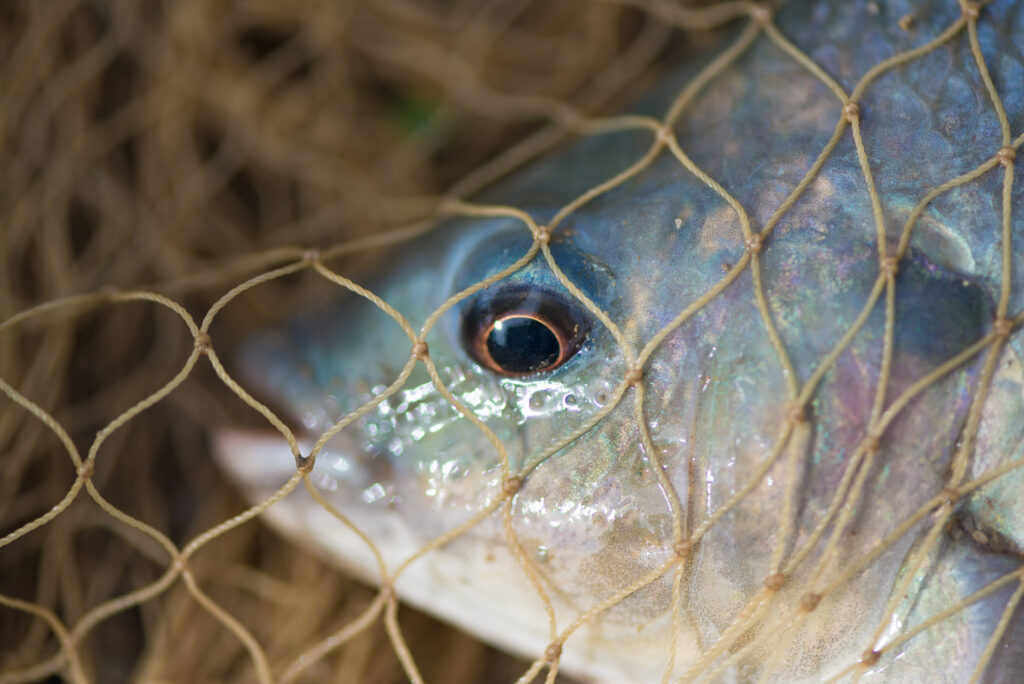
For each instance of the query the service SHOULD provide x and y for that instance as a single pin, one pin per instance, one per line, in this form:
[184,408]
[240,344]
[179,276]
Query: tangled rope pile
[135,159]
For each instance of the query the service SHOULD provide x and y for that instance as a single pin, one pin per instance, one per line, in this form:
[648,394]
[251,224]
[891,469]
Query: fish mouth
[374,542]
[261,464]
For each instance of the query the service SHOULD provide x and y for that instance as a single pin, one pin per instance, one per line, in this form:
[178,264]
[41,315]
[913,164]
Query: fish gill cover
[774,428]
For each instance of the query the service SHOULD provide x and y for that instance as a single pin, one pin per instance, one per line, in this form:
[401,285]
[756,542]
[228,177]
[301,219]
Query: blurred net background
[181,147]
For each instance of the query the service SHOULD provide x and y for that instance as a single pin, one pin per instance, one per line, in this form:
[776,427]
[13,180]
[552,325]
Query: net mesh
[193,152]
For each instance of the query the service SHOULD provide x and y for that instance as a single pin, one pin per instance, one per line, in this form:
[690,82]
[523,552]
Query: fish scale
[785,511]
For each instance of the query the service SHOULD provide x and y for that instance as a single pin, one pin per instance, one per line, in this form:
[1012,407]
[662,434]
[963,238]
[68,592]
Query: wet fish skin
[593,517]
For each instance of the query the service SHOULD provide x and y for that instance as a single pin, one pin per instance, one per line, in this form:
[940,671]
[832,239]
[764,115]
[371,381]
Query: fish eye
[523,331]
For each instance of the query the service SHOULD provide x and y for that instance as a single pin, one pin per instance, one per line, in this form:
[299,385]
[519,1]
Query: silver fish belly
[731,418]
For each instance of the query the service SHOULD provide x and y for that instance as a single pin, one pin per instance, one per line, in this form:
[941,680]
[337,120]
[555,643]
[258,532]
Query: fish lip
[252,457]
[261,459]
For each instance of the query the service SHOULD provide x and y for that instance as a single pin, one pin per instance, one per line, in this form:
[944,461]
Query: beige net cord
[138,172]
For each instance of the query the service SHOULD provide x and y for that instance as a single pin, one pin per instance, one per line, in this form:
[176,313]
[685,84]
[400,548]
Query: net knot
[682,548]
[311,256]
[512,485]
[86,470]
[774,581]
[420,350]
[870,657]
[949,496]
[851,111]
[304,464]
[387,591]
[664,135]
[543,235]
[754,243]
[634,375]
[796,413]
[871,444]
[553,652]
[972,10]
[808,602]
[1006,155]
[1002,327]
[448,205]
[203,343]
[906,22]
[761,15]
[889,265]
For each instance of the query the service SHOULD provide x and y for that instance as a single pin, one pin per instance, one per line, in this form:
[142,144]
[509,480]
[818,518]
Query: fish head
[656,422]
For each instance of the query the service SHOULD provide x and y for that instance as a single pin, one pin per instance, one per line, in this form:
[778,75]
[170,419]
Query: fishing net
[178,174]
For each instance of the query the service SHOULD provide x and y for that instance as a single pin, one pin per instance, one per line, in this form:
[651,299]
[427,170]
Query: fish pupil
[521,344]
[519,331]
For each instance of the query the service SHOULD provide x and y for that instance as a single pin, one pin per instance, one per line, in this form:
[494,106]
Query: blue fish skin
[818,509]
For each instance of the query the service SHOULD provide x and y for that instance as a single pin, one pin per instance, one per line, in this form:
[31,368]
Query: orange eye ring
[552,352]
[523,333]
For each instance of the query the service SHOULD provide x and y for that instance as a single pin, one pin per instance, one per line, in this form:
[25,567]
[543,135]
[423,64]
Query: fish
[729,388]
